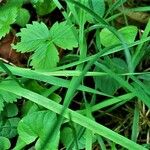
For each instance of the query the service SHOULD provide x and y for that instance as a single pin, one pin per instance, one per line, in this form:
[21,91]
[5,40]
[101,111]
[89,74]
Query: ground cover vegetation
[74,74]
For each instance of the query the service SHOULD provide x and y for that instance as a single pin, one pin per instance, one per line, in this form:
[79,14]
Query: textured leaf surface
[63,36]
[4,143]
[9,128]
[36,1]
[7,17]
[11,110]
[46,57]
[67,137]
[109,39]
[7,97]
[32,37]
[22,17]
[44,7]
[37,125]
[98,7]
[37,37]
[107,84]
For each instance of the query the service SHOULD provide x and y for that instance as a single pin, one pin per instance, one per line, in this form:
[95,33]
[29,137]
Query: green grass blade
[135,125]
[40,76]
[76,117]
[6,69]
[101,142]
[109,102]
[139,52]
[114,6]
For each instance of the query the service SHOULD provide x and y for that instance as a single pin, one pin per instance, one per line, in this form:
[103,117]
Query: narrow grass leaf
[76,117]
[135,125]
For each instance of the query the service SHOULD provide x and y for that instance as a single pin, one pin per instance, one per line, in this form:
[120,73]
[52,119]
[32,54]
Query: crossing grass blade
[76,117]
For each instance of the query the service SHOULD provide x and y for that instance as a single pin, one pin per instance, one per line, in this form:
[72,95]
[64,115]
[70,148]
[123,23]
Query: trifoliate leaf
[109,39]
[45,57]
[7,17]
[32,37]
[36,126]
[36,37]
[63,35]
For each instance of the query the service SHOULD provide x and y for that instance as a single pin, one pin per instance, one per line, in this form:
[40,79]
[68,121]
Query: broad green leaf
[36,87]
[55,97]
[11,110]
[36,126]
[7,97]
[4,143]
[32,37]
[9,128]
[63,36]
[44,7]
[45,57]
[22,17]
[98,6]
[29,107]
[107,84]
[15,3]
[67,137]
[36,37]
[7,17]
[109,39]
[33,85]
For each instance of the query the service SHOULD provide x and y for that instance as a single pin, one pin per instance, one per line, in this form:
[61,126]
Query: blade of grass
[139,52]
[140,84]
[89,136]
[114,6]
[139,9]
[75,82]
[135,125]
[76,117]
[109,102]
[101,142]
[105,51]
[119,48]
[6,69]
[76,73]
[32,74]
